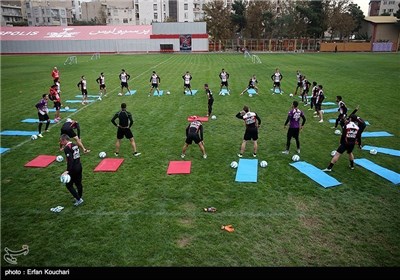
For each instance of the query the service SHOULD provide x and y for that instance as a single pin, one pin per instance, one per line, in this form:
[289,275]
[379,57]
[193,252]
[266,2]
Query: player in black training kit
[252,121]
[194,132]
[74,168]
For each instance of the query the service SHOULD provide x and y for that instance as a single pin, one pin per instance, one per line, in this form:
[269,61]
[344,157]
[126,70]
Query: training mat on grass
[63,110]
[333,110]
[34,121]
[3,150]
[79,101]
[328,103]
[132,92]
[379,170]
[247,170]
[41,161]
[194,91]
[179,167]
[224,91]
[386,151]
[109,165]
[89,96]
[315,174]
[197,118]
[251,91]
[17,133]
[158,94]
[375,134]
[334,121]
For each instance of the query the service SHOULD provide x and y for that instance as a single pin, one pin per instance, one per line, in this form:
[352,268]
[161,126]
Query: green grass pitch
[140,216]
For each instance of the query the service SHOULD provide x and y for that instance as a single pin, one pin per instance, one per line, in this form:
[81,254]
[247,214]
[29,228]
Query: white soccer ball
[250,95]
[291,95]
[263,163]
[333,153]
[66,108]
[338,132]
[234,164]
[168,92]
[102,154]
[33,137]
[373,152]
[59,158]
[295,158]
[213,117]
[65,178]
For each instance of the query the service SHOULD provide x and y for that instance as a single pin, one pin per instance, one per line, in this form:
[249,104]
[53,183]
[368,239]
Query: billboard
[185,42]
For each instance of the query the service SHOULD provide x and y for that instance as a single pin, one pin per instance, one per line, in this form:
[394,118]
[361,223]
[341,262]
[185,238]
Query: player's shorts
[43,118]
[127,132]
[84,92]
[345,147]
[193,137]
[70,132]
[57,105]
[299,84]
[277,84]
[318,106]
[102,86]
[186,85]
[224,84]
[124,84]
[154,85]
[251,133]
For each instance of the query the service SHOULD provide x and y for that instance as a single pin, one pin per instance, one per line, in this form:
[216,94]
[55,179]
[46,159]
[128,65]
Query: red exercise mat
[41,161]
[198,118]
[109,165]
[179,167]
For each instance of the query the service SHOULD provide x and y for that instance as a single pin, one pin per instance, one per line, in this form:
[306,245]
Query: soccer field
[140,216]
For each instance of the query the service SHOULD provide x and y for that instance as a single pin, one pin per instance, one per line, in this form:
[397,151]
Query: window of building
[391,2]
[125,20]
[62,12]
[390,10]
[185,6]
[186,15]
[155,16]
[154,7]
[29,15]
[384,2]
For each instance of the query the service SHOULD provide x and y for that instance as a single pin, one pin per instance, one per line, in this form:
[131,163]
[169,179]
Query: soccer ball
[168,92]
[66,108]
[65,178]
[33,137]
[234,164]
[59,158]
[250,95]
[213,117]
[373,152]
[291,95]
[333,153]
[338,132]
[102,154]
[263,163]
[295,158]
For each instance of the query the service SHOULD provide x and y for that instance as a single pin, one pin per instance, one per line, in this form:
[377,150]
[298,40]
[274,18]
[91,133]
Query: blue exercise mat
[247,170]
[132,92]
[251,91]
[34,121]
[308,96]
[277,91]
[328,103]
[78,101]
[89,96]
[333,110]
[18,133]
[3,150]
[315,174]
[194,91]
[158,94]
[63,110]
[375,134]
[386,151]
[379,170]
[334,121]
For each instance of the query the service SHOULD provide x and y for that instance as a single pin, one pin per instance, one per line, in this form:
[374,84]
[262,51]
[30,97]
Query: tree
[218,20]
[239,17]
[255,12]
[314,14]
[358,16]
